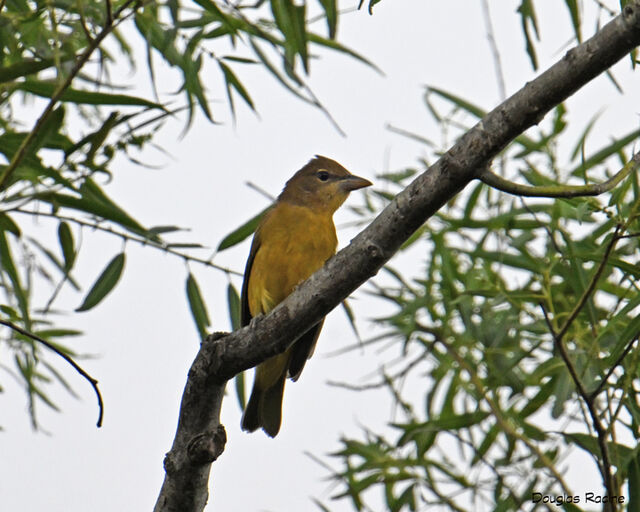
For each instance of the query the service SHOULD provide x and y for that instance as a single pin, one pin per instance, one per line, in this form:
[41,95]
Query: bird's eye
[322,175]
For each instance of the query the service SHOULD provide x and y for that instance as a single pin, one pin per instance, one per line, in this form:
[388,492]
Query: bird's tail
[264,408]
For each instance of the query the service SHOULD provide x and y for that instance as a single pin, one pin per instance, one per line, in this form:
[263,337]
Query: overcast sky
[142,336]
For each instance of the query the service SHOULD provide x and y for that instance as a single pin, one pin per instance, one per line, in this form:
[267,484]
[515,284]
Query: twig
[605,468]
[132,238]
[630,235]
[594,281]
[626,350]
[495,53]
[109,12]
[544,226]
[385,380]
[85,29]
[68,359]
[260,190]
[556,191]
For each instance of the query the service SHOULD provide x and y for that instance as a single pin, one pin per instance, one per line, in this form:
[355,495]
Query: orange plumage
[294,239]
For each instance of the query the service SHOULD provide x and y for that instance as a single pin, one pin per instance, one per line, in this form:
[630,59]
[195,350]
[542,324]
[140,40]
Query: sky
[142,340]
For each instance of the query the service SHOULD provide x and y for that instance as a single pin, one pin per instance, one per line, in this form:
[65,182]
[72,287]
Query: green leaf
[633,475]
[331,13]
[574,11]
[7,224]
[486,443]
[472,201]
[541,398]
[351,318]
[241,233]
[159,230]
[272,69]
[526,142]
[48,130]
[97,138]
[457,421]
[372,3]
[48,89]
[233,301]
[23,68]
[335,45]
[65,237]
[232,81]
[197,306]
[185,246]
[240,390]
[528,19]
[604,153]
[91,204]
[104,284]
[620,454]
[291,21]
[8,267]
[57,333]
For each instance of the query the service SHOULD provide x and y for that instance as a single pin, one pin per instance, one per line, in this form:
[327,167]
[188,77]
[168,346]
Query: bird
[295,237]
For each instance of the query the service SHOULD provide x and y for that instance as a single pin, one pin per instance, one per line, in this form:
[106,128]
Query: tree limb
[221,357]
[566,191]
[67,358]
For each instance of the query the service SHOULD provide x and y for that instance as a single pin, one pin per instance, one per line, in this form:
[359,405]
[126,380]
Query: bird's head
[323,185]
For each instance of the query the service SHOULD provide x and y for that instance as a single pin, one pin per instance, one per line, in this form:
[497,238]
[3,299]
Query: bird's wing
[245,312]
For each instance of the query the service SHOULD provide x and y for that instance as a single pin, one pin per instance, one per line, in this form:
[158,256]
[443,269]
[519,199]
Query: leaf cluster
[488,409]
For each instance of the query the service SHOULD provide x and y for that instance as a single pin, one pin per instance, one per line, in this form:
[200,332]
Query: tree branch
[220,358]
[589,399]
[619,360]
[76,366]
[566,191]
[162,246]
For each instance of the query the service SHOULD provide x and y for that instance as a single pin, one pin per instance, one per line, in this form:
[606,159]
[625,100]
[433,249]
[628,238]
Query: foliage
[57,61]
[503,276]
[518,340]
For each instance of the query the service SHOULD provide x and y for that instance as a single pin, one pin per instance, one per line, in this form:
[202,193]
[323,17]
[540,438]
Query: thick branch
[185,485]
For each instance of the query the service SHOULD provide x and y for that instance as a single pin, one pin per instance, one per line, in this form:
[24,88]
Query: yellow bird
[294,239]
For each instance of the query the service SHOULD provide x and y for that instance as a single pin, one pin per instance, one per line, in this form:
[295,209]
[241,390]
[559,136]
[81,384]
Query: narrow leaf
[240,390]
[331,13]
[197,306]
[7,224]
[104,284]
[23,68]
[239,234]
[8,267]
[66,243]
[633,474]
[48,89]
[232,81]
[233,300]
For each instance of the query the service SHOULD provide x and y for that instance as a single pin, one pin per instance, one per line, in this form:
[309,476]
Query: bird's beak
[353,182]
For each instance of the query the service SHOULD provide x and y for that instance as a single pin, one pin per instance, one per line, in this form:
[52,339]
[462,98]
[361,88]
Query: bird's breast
[294,243]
